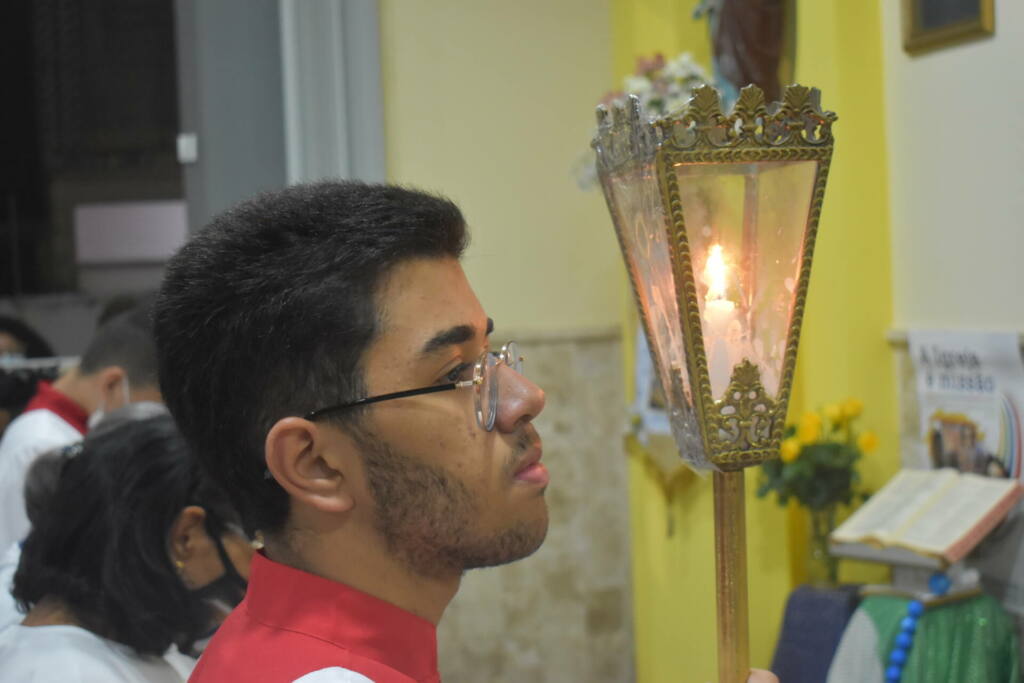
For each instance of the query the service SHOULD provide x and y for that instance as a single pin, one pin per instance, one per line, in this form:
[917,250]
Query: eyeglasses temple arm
[387,397]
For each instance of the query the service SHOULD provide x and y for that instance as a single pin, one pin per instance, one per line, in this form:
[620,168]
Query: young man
[321,348]
[118,366]
[323,351]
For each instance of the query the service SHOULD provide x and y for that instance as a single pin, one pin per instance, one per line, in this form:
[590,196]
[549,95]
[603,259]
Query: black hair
[35,345]
[99,544]
[41,481]
[267,312]
[126,340]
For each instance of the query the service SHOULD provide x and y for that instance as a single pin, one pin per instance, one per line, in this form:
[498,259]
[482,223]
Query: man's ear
[299,456]
[110,381]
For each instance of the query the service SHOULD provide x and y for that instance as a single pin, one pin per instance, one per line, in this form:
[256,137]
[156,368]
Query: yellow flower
[790,449]
[809,428]
[852,407]
[834,413]
[867,442]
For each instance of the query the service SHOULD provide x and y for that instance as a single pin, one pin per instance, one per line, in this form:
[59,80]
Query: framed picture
[933,24]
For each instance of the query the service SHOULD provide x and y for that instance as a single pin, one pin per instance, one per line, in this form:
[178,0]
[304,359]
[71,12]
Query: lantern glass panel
[638,214]
[745,225]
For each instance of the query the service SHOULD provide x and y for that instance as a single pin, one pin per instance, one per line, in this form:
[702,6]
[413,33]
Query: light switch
[188,148]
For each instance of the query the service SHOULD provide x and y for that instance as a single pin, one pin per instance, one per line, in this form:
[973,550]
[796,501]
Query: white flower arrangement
[662,87]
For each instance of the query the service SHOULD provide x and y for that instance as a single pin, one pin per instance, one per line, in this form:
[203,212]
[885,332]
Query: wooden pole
[731,577]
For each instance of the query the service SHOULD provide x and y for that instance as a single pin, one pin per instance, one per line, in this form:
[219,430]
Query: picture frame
[934,24]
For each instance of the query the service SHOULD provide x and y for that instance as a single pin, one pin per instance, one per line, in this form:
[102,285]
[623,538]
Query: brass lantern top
[700,190]
[625,135]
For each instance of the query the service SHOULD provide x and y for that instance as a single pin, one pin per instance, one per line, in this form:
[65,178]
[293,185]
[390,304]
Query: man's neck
[76,386]
[371,569]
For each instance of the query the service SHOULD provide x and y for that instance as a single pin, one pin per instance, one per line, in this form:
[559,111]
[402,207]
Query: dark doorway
[92,116]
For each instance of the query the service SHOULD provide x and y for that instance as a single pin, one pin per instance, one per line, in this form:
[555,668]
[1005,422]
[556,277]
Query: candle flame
[715,274]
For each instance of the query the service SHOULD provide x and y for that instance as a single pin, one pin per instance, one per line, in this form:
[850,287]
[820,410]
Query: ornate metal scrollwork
[795,121]
[744,420]
[624,135]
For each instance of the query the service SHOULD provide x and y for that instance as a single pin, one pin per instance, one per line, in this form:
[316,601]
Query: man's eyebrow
[453,336]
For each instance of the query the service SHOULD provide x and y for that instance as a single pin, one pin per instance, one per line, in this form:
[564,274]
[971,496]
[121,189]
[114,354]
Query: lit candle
[718,310]
[719,316]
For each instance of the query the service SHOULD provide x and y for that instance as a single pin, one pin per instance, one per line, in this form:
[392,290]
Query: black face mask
[227,590]
[223,593]
[220,595]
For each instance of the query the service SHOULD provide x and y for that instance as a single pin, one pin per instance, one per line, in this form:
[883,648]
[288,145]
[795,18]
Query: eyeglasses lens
[487,391]
[487,387]
[510,354]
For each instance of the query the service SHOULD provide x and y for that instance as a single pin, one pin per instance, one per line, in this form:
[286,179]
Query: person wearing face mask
[118,367]
[18,341]
[135,557]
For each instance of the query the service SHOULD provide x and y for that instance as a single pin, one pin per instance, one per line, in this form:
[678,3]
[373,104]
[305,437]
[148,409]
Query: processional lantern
[716,216]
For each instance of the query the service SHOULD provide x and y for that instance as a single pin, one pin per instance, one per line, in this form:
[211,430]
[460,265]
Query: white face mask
[143,410]
[139,410]
[97,415]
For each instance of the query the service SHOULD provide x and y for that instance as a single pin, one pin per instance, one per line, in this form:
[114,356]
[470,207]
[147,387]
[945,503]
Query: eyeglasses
[484,384]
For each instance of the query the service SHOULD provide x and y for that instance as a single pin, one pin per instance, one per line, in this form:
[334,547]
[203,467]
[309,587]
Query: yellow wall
[492,103]
[643,27]
[843,350]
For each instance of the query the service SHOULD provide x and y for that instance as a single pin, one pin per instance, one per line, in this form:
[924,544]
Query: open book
[926,518]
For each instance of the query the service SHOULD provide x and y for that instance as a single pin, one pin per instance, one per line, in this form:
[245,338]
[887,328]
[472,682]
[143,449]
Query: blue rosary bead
[939,583]
[899,655]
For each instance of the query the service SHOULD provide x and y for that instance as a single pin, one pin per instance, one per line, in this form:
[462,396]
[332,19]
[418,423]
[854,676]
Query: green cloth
[968,641]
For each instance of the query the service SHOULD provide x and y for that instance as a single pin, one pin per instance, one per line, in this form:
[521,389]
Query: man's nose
[519,400]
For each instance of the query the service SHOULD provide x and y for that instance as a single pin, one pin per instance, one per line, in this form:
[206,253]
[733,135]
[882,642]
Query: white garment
[27,437]
[856,659]
[334,674]
[9,613]
[69,654]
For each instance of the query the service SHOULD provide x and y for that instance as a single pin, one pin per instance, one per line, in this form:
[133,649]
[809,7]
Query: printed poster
[970,394]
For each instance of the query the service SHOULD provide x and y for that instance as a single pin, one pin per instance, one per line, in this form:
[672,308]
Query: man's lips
[531,469]
[530,457]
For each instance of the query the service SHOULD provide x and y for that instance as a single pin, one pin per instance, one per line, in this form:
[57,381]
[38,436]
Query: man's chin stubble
[451,553]
[426,521]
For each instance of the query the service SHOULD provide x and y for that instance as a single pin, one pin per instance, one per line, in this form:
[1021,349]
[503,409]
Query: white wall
[955,122]
[230,96]
[334,122]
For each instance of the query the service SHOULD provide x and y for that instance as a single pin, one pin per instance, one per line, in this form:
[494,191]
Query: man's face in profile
[447,494]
